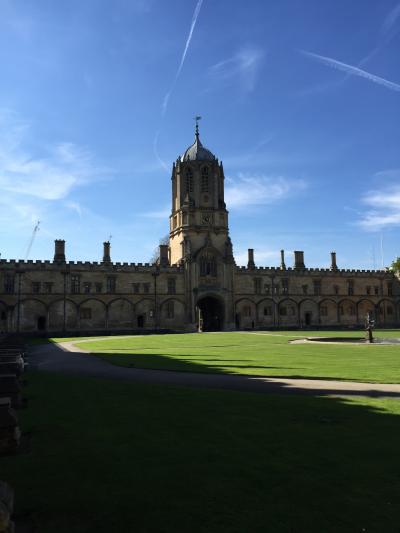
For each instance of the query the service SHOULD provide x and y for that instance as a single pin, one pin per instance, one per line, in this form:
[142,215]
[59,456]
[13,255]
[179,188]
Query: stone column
[250,262]
[299,259]
[106,252]
[283,266]
[333,261]
[59,251]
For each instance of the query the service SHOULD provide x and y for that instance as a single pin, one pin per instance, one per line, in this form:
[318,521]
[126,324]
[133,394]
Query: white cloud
[243,65]
[252,190]
[36,182]
[383,206]
[51,176]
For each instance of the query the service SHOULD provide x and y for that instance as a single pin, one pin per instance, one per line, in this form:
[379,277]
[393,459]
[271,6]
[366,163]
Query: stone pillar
[333,261]
[283,266]
[59,251]
[164,261]
[250,262]
[299,259]
[106,252]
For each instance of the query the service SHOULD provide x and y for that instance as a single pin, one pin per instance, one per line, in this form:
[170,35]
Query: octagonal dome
[197,152]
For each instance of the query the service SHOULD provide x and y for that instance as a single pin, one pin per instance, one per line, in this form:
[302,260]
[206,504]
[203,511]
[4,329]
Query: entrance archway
[211,314]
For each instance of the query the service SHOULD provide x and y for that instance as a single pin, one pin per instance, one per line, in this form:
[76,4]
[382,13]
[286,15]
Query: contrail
[164,104]
[167,96]
[155,150]
[391,19]
[352,70]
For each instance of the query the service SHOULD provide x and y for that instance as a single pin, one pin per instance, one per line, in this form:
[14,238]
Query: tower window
[317,287]
[75,284]
[171,286]
[285,286]
[36,287]
[390,289]
[188,180]
[208,266]
[257,285]
[350,287]
[204,180]
[135,288]
[146,288]
[111,284]
[9,284]
[48,287]
[336,289]
[87,287]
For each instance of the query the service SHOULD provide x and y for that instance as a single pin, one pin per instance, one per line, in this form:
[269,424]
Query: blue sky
[300,100]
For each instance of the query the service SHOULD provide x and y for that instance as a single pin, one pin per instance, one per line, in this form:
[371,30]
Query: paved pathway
[59,358]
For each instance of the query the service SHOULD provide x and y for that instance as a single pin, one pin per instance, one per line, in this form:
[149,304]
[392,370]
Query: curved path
[69,359]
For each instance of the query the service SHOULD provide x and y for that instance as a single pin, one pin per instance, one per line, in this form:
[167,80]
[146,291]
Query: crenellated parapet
[312,271]
[29,264]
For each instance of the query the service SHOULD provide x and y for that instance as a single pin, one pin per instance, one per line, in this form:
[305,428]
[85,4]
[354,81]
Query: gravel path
[70,359]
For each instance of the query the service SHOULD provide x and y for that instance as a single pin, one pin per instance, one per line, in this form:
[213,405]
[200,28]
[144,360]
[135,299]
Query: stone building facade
[195,283]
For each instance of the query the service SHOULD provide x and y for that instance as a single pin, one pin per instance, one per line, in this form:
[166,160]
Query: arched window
[188,180]
[208,265]
[204,179]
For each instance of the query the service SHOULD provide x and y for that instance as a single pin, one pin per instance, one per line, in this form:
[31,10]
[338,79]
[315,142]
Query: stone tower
[199,236]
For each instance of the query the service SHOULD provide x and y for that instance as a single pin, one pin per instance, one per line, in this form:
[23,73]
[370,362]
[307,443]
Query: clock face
[206,218]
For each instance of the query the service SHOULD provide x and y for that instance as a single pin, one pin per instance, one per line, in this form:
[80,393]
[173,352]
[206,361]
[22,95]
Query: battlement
[19,264]
[312,271]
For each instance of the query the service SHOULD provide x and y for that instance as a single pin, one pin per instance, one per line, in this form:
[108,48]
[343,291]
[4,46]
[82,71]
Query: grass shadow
[134,457]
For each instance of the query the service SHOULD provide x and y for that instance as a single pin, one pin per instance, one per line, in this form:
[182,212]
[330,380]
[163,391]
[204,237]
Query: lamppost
[155,275]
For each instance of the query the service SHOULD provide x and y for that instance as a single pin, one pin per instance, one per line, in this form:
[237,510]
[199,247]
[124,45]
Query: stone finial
[59,251]
[333,261]
[299,259]
[283,266]
[106,252]
[250,261]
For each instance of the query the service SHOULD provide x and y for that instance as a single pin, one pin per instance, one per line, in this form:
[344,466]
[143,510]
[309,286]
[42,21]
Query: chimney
[250,262]
[333,261]
[106,252]
[164,261]
[299,259]
[283,266]
[59,251]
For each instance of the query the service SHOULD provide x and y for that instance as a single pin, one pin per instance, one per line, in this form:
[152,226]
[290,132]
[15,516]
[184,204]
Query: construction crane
[34,232]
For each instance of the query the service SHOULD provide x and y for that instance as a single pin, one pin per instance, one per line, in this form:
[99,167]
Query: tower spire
[197,118]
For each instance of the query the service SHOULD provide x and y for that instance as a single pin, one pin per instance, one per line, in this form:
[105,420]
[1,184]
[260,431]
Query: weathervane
[197,118]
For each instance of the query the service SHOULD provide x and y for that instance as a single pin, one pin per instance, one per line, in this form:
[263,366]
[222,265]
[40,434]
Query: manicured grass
[264,354]
[122,457]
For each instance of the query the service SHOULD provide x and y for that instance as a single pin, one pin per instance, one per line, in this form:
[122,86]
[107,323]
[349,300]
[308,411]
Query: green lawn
[122,457]
[264,354]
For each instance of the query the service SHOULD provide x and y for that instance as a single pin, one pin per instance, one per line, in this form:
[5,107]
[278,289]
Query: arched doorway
[211,314]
